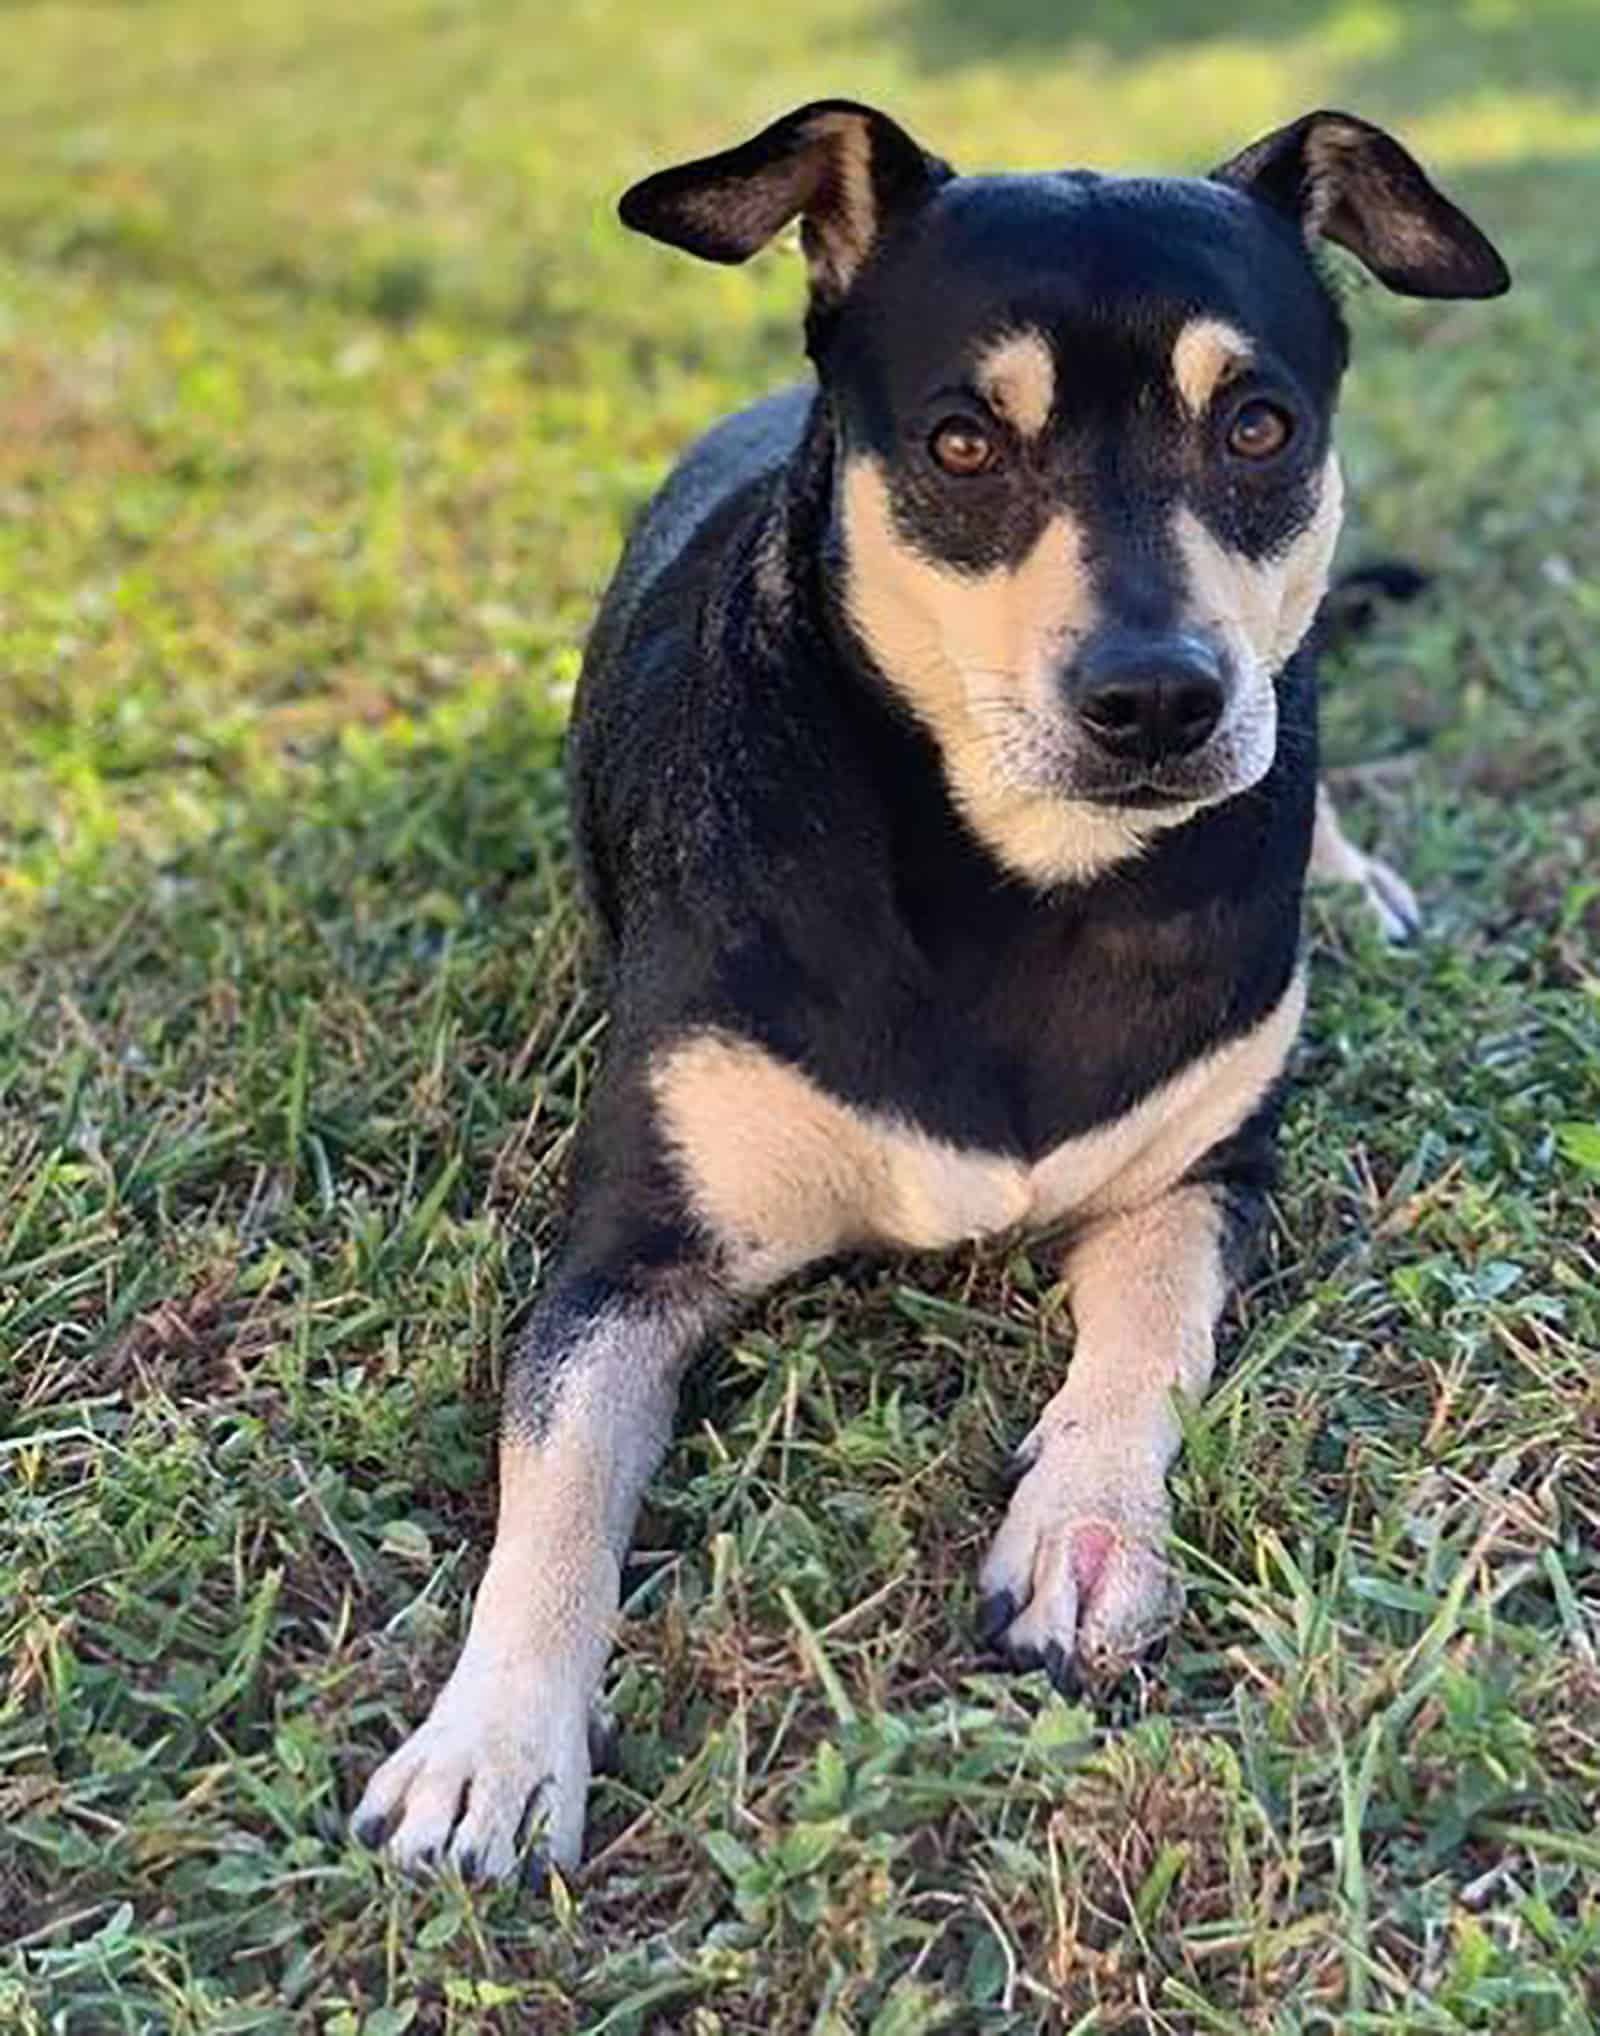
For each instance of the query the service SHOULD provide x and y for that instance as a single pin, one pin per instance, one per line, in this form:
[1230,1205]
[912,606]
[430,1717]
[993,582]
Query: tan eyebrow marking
[1205,354]
[1018,376]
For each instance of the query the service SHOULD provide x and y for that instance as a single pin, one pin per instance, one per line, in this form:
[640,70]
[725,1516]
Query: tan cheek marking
[1263,607]
[1018,377]
[937,631]
[1205,354]
[975,657]
[1308,563]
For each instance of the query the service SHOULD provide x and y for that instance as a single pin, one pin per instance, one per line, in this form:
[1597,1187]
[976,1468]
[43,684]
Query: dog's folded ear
[1350,182]
[847,172]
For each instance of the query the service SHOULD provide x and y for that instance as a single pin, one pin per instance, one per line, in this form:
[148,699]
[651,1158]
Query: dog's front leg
[1077,1573]
[587,1415]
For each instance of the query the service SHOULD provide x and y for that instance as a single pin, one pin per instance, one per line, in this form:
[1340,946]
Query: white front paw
[1076,1575]
[504,1751]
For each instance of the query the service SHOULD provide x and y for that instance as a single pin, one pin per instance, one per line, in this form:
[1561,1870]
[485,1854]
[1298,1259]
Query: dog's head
[1085,495]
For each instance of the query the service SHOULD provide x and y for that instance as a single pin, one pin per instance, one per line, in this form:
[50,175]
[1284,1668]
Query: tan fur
[781,1173]
[1325,145]
[509,1730]
[1206,353]
[1261,610]
[828,182]
[1141,1338]
[1161,1137]
[1017,378]
[1335,859]
[846,228]
[975,656]
[1081,1549]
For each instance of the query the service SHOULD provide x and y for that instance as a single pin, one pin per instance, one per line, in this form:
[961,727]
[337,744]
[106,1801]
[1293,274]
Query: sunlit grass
[327,387]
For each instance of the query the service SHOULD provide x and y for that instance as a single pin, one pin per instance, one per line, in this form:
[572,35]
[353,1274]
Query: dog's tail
[1358,598]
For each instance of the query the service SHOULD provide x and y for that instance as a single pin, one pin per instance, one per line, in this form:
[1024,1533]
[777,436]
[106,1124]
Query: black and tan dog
[945,776]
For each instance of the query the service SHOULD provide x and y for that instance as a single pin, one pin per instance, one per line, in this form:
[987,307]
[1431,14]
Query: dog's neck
[791,576]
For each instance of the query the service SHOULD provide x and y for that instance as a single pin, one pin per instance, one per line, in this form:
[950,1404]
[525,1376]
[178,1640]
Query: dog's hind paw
[1335,859]
[503,1753]
[1393,902]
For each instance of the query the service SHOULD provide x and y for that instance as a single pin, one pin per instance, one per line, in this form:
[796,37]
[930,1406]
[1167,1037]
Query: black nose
[1151,698]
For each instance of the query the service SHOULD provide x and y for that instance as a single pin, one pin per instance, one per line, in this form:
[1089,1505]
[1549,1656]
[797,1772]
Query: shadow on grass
[1421,53]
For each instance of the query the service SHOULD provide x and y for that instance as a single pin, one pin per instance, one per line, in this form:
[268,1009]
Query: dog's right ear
[847,172]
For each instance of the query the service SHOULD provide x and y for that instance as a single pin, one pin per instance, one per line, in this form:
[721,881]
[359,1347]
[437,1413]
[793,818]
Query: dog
[945,783]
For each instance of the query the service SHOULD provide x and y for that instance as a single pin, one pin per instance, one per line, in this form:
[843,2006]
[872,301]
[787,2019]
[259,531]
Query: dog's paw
[504,1752]
[1076,1577]
[1392,901]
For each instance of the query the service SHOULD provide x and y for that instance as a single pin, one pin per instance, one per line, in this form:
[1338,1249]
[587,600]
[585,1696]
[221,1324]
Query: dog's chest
[780,1171]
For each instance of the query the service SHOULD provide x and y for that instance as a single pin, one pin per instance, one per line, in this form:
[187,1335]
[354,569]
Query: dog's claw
[995,1614]
[605,1742]
[1393,902]
[1080,1550]
[499,1751]
[1062,1670]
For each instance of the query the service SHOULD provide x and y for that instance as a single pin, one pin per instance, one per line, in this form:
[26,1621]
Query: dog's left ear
[1350,182]
[846,171]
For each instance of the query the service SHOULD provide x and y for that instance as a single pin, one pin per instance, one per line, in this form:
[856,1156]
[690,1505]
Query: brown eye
[1259,430]
[962,447]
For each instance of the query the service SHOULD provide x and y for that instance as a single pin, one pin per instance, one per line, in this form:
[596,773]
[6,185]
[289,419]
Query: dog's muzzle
[1147,699]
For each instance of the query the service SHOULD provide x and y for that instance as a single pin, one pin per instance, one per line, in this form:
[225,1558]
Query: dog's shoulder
[668,707]
[685,534]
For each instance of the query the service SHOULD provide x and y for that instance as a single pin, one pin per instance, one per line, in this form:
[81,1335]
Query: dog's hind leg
[587,1414]
[1335,859]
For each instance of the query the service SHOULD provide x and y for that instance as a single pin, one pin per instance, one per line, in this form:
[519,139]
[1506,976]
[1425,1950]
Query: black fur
[776,847]
[771,850]
[1366,193]
[768,839]
[767,833]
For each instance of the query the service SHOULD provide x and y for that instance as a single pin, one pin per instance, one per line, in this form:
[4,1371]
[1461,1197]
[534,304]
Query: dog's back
[731,458]
[644,651]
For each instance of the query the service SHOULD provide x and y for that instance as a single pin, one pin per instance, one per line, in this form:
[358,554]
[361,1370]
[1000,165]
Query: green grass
[327,387]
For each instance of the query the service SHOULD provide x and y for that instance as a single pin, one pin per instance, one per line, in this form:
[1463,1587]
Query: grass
[327,388]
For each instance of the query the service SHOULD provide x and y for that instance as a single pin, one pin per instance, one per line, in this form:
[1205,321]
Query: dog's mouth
[1047,755]
[1152,790]
[1145,796]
